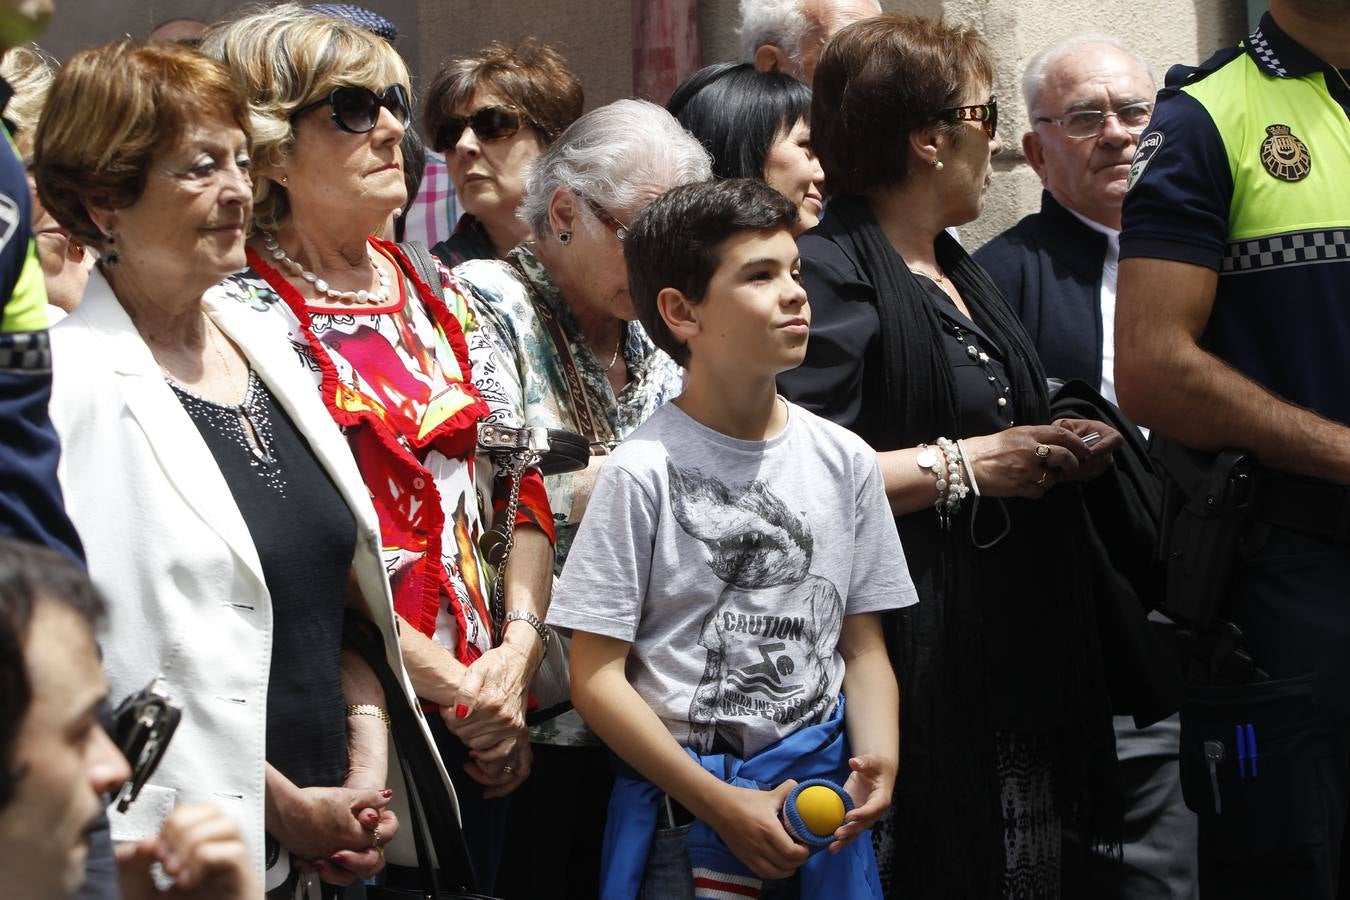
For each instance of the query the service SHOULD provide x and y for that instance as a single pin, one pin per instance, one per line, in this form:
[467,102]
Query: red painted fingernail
[386,794]
[461,711]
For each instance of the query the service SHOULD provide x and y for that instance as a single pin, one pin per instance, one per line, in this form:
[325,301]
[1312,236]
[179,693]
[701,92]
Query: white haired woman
[559,347]
[386,350]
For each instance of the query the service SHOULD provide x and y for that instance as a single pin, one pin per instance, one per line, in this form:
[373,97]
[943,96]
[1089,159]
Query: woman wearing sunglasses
[559,347]
[220,509]
[1005,721]
[492,114]
[387,352]
[755,125]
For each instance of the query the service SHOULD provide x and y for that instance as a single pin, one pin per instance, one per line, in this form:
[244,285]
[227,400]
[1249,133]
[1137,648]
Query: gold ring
[1042,452]
[1040,481]
[375,839]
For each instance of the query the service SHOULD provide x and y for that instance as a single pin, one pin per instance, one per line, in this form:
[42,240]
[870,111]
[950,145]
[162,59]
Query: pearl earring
[937,165]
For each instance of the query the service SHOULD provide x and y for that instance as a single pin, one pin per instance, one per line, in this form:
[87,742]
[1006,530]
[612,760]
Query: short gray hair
[778,22]
[782,23]
[1033,78]
[613,155]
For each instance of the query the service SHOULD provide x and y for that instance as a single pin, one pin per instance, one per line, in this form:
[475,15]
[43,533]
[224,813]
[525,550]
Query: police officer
[1233,332]
[30,497]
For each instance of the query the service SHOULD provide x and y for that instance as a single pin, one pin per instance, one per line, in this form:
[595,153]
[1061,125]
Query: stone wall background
[595,37]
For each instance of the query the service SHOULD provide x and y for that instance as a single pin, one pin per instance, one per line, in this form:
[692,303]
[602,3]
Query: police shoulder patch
[1148,147]
[1284,155]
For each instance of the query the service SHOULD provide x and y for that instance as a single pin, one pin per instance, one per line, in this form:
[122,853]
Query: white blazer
[170,551]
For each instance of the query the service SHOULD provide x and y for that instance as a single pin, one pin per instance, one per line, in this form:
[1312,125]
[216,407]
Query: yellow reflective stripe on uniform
[26,308]
[1246,104]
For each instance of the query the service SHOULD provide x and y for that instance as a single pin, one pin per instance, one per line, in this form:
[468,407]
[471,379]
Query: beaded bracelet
[934,461]
[952,488]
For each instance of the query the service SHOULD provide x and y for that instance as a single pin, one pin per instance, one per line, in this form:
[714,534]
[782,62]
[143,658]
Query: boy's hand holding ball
[870,784]
[748,822]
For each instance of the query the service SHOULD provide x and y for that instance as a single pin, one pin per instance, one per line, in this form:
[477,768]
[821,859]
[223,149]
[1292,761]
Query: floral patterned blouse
[522,379]
[397,380]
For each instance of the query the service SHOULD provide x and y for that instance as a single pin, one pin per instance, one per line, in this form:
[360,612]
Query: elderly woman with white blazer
[221,510]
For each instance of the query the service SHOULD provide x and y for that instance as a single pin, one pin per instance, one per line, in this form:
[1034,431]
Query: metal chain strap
[515,464]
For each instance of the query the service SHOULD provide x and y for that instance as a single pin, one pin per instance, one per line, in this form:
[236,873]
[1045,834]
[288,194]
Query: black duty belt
[1309,505]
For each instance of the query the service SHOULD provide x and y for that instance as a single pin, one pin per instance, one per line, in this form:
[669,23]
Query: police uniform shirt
[23,296]
[30,496]
[1244,170]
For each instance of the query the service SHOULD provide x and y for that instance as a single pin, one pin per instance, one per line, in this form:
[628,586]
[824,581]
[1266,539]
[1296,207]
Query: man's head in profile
[789,35]
[56,762]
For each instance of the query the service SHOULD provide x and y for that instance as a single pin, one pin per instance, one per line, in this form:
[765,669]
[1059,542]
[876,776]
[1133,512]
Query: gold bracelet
[370,709]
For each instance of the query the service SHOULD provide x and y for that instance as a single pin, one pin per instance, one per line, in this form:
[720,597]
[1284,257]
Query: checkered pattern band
[360,17]
[433,214]
[25,351]
[1265,54]
[1301,248]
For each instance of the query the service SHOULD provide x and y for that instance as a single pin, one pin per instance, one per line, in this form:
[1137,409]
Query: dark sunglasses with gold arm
[356,109]
[984,113]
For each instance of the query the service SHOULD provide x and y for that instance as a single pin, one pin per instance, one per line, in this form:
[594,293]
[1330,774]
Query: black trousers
[556,826]
[1266,765]
[483,821]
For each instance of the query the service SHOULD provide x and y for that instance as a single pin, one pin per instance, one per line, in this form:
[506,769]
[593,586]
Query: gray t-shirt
[729,566]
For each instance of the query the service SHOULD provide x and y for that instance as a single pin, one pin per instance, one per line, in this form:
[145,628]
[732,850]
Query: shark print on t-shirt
[771,634]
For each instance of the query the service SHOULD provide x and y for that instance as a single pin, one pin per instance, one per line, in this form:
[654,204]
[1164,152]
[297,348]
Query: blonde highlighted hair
[29,72]
[285,57]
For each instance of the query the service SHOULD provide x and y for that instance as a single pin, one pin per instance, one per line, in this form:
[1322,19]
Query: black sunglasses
[984,113]
[357,109]
[491,123]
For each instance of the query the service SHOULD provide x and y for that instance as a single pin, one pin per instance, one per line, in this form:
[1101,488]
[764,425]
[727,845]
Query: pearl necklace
[377,296]
[1002,392]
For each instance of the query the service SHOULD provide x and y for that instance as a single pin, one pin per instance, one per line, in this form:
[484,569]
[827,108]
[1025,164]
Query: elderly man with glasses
[1089,98]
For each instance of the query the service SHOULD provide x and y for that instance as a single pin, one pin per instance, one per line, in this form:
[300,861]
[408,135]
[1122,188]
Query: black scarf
[949,827]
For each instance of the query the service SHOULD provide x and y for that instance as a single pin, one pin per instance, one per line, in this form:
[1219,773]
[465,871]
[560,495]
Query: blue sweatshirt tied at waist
[817,751]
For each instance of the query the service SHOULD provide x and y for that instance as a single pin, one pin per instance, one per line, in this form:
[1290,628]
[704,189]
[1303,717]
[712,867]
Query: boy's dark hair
[676,243]
[29,573]
[736,112]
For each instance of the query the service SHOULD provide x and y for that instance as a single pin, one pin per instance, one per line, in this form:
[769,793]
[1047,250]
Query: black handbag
[436,827]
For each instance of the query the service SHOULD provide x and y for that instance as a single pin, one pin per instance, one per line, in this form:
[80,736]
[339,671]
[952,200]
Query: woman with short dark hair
[755,125]
[492,114]
[1005,721]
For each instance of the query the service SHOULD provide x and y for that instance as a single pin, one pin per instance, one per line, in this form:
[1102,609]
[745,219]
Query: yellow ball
[822,810]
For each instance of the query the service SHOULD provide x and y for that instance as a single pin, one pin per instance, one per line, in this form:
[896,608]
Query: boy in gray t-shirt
[725,585]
